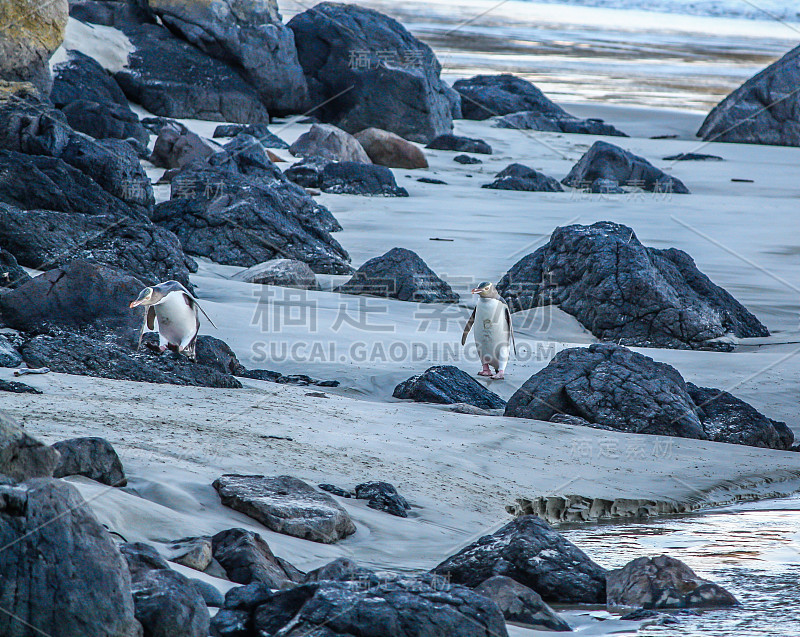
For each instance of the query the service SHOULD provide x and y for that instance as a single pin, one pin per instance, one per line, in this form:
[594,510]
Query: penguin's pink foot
[162,348]
[500,375]
[485,371]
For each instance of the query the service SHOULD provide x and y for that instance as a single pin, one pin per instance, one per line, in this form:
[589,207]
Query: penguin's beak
[476,290]
[144,297]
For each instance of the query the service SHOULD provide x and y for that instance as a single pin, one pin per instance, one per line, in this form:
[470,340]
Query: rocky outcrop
[247,559]
[91,457]
[22,456]
[390,150]
[663,582]
[60,567]
[399,274]
[606,161]
[623,291]
[447,385]
[352,178]
[528,551]
[460,144]
[520,604]
[519,177]
[383,496]
[365,70]
[324,141]
[288,273]
[286,505]
[764,110]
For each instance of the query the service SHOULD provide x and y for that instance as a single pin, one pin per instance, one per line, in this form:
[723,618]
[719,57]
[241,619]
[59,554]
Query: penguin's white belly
[177,322]
[491,332]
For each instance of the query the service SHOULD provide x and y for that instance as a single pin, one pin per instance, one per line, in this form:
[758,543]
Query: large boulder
[247,559]
[529,551]
[31,31]
[329,142]
[105,121]
[390,150]
[365,70]
[249,36]
[286,505]
[519,177]
[623,291]
[156,77]
[663,582]
[606,161]
[288,273]
[41,238]
[22,456]
[353,178]
[81,77]
[399,274]
[62,573]
[763,110]
[520,604]
[166,602]
[447,385]
[91,457]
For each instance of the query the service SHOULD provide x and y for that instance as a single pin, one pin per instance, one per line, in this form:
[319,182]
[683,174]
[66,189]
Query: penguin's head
[148,296]
[485,289]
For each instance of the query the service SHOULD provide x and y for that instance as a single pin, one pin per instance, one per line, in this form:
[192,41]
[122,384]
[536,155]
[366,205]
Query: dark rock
[279,609]
[307,173]
[104,121]
[392,84]
[353,178]
[210,594]
[247,559]
[156,77]
[260,131]
[324,141]
[432,180]
[390,150]
[332,488]
[623,291]
[250,37]
[520,604]
[22,456]
[14,387]
[12,275]
[533,120]
[485,96]
[467,159]
[446,385]
[93,458]
[9,356]
[110,13]
[81,77]
[399,274]
[286,505]
[763,110]
[606,161]
[301,380]
[726,418]
[192,552]
[693,157]
[460,144]
[231,623]
[610,385]
[519,177]
[167,604]
[383,496]
[342,569]
[663,582]
[249,596]
[29,124]
[62,572]
[40,238]
[177,147]
[529,551]
[288,273]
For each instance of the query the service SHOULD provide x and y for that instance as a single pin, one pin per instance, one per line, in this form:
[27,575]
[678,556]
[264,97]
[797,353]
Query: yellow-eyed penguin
[494,335]
[175,309]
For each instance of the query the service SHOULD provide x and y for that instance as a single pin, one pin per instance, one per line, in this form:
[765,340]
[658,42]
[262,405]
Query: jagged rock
[12,275]
[31,32]
[534,120]
[390,150]
[623,291]
[288,273]
[726,418]
[62,573]
[9,356]
[353,178]
[520,604]
[177,146]
[383,496]
[519,177]
[105,121]
[663,582]
[329,142]
[247,559]
[81,77]
[763,110]
[22,456]
[693,157]
[286,505]
[460,144]
[251,37]
[446,385]
[156,77]
[529,551]
[17,388]
[399,274]
[42,238]
[260,131]
[467,160]
[166,603]
[394,77]
[192,552]
[91,457]
[606,161]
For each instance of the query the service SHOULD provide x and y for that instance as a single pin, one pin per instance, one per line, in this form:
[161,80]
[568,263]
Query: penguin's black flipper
[468,327]
[511,330]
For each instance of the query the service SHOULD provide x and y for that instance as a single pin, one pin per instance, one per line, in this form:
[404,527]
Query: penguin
[493,330]
[176,311]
